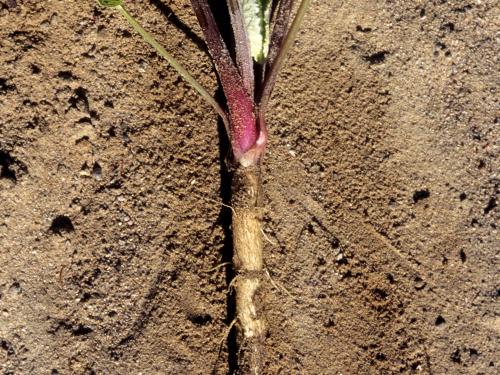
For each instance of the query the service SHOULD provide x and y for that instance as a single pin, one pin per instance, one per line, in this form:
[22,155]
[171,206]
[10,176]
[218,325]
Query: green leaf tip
[110,3]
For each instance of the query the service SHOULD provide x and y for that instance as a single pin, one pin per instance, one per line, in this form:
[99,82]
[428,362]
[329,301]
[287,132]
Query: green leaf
[256,14]
[110,3]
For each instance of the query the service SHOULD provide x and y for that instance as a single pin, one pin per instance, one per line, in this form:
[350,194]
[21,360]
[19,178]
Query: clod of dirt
[109,104]
[341,259]
[61,224]
[97,171]
[11,4]
[473,354]
[35,69]
[79,100]
[492,203]
[380,294]
[26,40]
[11,168]
[75,329]
[66,75]
[362,29]
[7,346]
[449,27]
[200,319]
[439,320]
[421,194]
[81,330]
[5,87]
[376,58]
[329,323]
[15,288]
[84,120]
[456,356]
[5,171]
[419,283]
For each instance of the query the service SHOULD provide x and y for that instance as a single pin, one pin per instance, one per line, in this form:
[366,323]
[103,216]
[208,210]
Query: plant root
[279,287]
[216,267]
[249,267]
[224,338]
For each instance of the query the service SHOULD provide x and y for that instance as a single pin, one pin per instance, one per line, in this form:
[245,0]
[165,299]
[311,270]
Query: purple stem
[243,56]
[244,128]
[280,28]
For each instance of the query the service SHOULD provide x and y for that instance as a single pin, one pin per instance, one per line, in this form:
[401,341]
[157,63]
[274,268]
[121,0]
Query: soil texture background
[381,182]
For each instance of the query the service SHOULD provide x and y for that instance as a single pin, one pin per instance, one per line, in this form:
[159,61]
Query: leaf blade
[110,3]
[256,17]
[272,73]
[171,60]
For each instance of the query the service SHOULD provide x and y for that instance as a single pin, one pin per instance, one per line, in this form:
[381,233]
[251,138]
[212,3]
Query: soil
[381,183]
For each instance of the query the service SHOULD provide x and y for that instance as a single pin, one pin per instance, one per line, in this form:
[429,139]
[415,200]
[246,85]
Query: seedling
[261,38]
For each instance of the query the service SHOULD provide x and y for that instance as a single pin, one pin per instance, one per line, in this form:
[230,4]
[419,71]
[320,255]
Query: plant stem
[241,106]
[176,65]
[280,58]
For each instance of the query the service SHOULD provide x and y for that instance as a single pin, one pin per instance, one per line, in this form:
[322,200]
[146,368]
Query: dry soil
[381,183]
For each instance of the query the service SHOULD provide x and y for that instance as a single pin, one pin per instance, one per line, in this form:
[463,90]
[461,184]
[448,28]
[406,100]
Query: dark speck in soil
[456,356]
[200,319]
[362,29]
[376,58]
[418,195]
[61,224]
[492,203]
[439,320]
[5,87]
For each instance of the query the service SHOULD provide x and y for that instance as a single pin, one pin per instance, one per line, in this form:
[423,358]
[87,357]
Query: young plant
[261,38]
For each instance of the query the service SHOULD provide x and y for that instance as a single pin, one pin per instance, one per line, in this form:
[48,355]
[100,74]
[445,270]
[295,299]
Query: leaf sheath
[244,132]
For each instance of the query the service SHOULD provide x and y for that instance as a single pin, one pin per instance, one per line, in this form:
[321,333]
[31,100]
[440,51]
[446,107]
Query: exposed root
[279,286]
[217,267]
[267,238]
[224,338]
[230,287]
[213,201]
[248,266]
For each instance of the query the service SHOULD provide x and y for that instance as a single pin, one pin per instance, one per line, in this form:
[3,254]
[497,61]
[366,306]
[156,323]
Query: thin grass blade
[272,73]
[280,26]
[167,56]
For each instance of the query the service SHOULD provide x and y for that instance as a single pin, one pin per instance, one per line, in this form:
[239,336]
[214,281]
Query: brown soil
[381,184]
